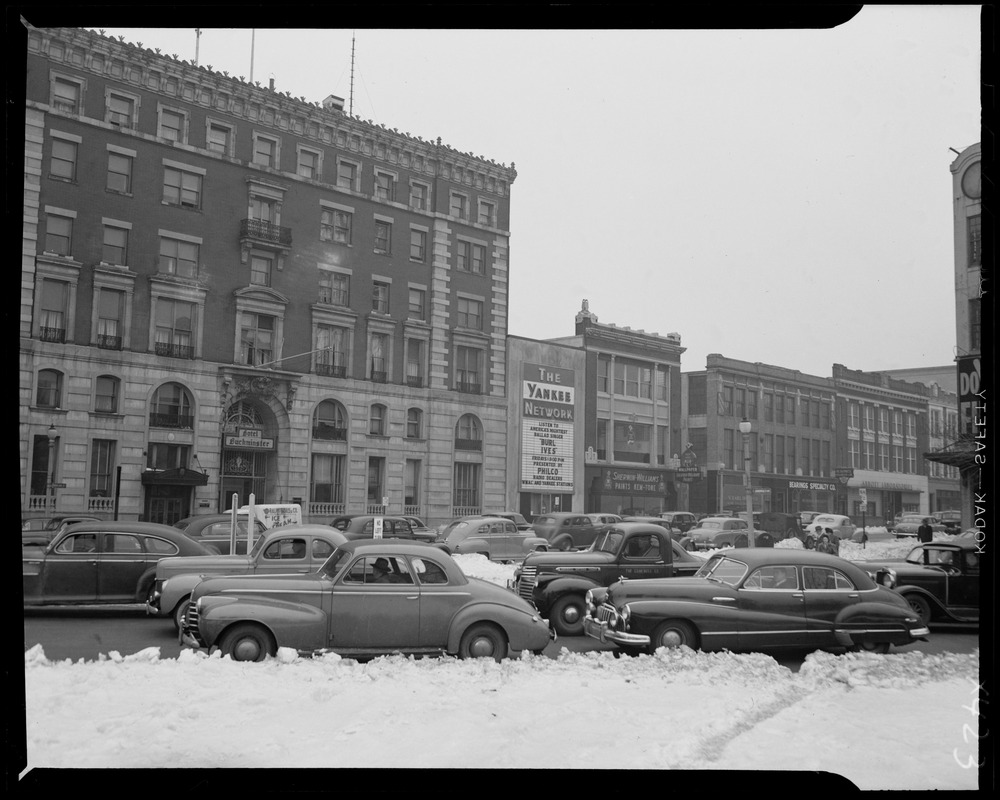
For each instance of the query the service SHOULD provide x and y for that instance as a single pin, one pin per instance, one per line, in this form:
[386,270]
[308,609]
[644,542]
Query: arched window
[171,407]
[468,433]
[49,394]
[378,420]
[414,423]
[330,421]
[106,394]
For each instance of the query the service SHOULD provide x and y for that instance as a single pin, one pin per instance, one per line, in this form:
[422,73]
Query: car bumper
[600,631]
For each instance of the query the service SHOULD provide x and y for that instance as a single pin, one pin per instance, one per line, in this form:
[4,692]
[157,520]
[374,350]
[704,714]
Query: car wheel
[180,610]
[920,607]
[483,640]
[791,533]
[872,647]
[567,615]
[673,633]
[810,543]
[247,642]
[765,540]
[564,544]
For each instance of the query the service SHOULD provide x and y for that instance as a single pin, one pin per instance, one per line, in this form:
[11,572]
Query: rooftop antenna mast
[350,107]
[253,37]
[197,42]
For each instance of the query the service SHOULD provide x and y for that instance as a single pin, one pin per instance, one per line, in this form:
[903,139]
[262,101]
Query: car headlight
[626,615]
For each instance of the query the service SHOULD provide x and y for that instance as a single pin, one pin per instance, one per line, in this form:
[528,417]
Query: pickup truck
[287,550]
[556,582]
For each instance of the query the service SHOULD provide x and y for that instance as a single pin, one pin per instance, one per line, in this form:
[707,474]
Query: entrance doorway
[167,504]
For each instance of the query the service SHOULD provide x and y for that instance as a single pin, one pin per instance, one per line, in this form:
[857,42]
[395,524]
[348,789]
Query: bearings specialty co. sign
[548,413]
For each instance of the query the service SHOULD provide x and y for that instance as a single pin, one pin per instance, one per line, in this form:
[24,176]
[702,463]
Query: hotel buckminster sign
[548,412]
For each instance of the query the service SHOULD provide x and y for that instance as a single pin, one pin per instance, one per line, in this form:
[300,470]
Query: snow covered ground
[900,721]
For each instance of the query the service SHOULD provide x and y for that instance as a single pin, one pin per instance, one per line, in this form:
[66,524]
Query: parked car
[781,526]
[952,520]
[603,518]
[286,550]
[939,579]
[362,526]
[909,523]
[755,599]
[713,533]
[40,535]
[494,537]
[420,528]
[557,582]
[682,520]
[514,516]
[214,530]
[841,526]
[566,530]
[370,598]
[806,518]
[101,562]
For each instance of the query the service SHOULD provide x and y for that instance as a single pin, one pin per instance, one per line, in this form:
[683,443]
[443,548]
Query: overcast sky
[780,196]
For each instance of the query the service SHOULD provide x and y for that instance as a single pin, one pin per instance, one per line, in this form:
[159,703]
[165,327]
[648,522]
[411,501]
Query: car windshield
[914,520]
[722,569]
[543,521]
[607,542]
[335,563]
[705,523]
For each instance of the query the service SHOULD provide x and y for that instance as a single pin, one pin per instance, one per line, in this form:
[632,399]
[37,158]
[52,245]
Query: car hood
[248,584]
[578,558]
[178,565]
[664,588]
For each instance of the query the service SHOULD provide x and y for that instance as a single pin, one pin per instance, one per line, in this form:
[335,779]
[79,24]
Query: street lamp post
[745,430]
[52,433]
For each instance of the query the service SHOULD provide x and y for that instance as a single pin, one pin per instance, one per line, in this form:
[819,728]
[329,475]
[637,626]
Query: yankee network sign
[548,395]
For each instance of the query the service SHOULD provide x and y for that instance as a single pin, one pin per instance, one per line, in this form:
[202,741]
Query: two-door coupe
[370,598]
[101,562]
[494,537]
[752,599]
[286,550]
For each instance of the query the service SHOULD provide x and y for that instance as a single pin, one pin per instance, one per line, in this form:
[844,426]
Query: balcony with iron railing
[47,334]
[320,510]
[331,370]
[465,511]
[157,420]
[262,231]
[322,430]
[106,342]
[379,376]
[469,444]
[173,350]
[468,388]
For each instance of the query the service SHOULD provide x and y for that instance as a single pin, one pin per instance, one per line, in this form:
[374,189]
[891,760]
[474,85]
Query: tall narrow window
[115,249]
[975,325]
[478,259]
[380,297]
[975,226]
[49,390]
[119,173]
[468,370]
[418,245]
[58,234]
[416,303]
[120,110]
[414,363]
[331,355]
[411,486]
[379,369]
[308,166]
[328,479]
[385,187]
[53,309]
[383,237]
[414,423]
[260,270]
[265,151]
[110,316]
[377,420]
[347,175]
[463,255]
[66,95]
[418,196]
[470,313]
[257,339]
[172,125]
[64,156]
[171,407]
[219,138]
[376,481]
[102,467]
[174,328]
[106,395]
[466,487]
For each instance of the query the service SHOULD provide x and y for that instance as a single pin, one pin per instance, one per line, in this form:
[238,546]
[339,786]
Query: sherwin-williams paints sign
[548,411]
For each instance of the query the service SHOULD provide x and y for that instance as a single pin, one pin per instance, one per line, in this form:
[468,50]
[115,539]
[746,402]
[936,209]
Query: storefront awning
[961,453]
[174,477]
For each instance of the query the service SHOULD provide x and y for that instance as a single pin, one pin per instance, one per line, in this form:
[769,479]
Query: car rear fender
[511,620]
[302,627]
[475,545]
[144,584]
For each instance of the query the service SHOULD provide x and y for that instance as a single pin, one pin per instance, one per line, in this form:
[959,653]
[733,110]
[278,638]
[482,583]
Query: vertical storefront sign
[969,383]
[548,414]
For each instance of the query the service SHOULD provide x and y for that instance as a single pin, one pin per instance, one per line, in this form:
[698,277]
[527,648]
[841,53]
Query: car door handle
[412,596]
[723,599]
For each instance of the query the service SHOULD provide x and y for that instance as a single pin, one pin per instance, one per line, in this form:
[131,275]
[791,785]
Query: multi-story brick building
[227,290]
[882,434]
[791,443]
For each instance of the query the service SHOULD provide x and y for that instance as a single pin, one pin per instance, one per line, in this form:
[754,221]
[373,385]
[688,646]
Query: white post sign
[378,523]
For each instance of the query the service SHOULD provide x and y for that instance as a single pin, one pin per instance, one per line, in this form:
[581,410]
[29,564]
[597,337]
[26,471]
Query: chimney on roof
[333,103]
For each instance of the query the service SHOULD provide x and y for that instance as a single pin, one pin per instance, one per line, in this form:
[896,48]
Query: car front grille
[526,583]
[190,622]
[606,613]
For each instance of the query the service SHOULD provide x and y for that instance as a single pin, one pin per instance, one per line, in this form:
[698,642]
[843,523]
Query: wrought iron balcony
[329,432]
[52,334]
[469,444]
[106,342]
[468,388]
[331,370]
[262,231]
[173,350]
[379,376]
[170,420]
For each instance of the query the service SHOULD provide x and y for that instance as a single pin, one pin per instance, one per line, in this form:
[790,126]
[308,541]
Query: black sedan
[101,562]
[755,599]
[939,579]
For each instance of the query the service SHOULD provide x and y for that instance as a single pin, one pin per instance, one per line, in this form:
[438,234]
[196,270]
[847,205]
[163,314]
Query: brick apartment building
[226,290]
